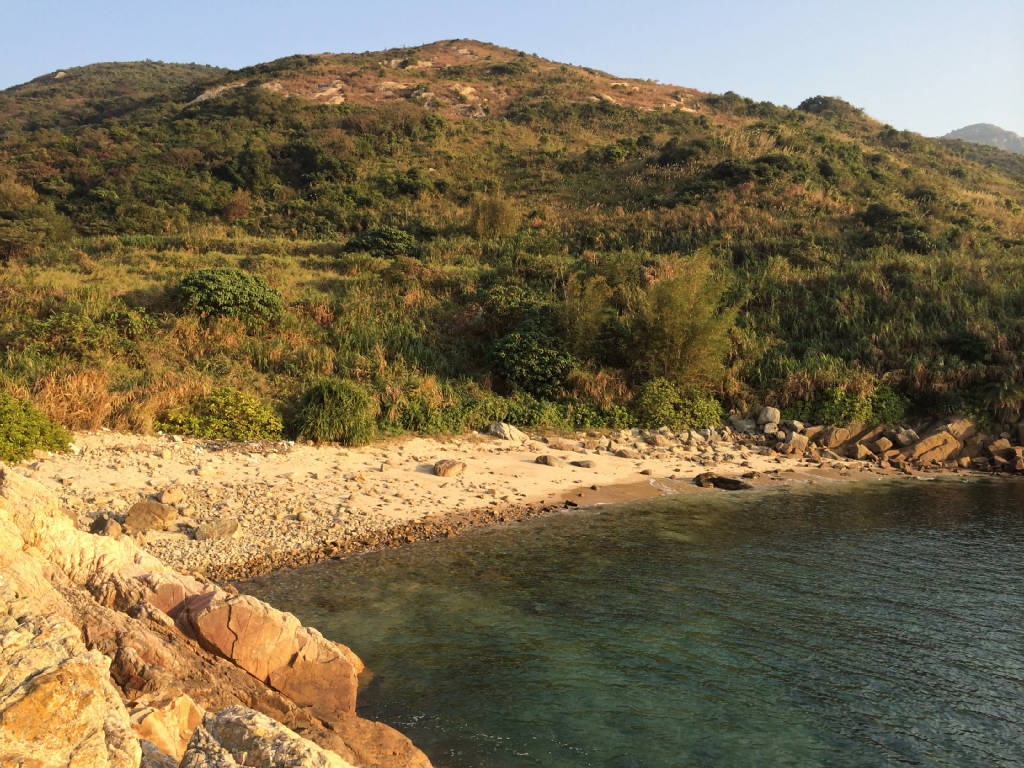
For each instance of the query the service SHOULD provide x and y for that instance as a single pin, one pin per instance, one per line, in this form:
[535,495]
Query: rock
[276,649]
[105,526]
[961,429]
[880,445]
[149,516]
[746,426]
[507,432]
[906,437]
[711,480]
[999,447]
[770,428]
[223,528]
[811,433]
[861,452]
[173,495]
[769,415]
[167,723]
[833,437]
[627,453]
[791,425]
[584,463]
[58,706]
[938,447]
[796,443]
[152,757]
[238,737]
[449,467]
[551,461]
[658,440]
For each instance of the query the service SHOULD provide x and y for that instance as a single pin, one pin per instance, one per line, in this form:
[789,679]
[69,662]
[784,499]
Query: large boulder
[941,446]
[167,723]
[58,706]
[551,461]
[449,467]
[833,437]
[507,432]
[238,737]
[276,649]
[795,443]
[769,415]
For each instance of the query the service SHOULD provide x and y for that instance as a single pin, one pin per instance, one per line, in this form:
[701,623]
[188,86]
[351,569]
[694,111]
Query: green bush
[228,292]
[534,362]
[701,411]
[224,414]
[337,411]
[658,404]
[24,429]
[384,241]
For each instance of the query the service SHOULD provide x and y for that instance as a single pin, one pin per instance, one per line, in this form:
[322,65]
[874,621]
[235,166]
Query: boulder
[880,445]
[58,706]
[449,468]
[583,463]
[771,428]
[833,437]
[812,432]
[551,461]
[172,495]
[791,425]
[238,737]
[223,528]
[711,480]
[861,452]
[658,440]
[627,453]
[961,429]
[796,443]
[167,723]
[1000,447]
[276,649]
[941,446]
[561,445]
[507,432]
[906,437]
[746,426]
[769,415]
[149,516]
[105,526]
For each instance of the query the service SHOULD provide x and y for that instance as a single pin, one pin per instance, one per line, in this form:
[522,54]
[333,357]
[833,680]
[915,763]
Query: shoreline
[288,505]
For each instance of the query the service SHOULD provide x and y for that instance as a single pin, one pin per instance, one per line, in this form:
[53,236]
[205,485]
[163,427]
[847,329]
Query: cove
[853,625]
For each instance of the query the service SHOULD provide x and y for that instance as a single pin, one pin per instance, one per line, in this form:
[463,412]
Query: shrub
[339,411]
[701,411]
[24,429]
[224,414]
[493,216]
[534,362]
[384,241]
[228,292]
[658,404]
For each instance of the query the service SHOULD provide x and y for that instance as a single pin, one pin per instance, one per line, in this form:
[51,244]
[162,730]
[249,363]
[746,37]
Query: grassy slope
[856,254]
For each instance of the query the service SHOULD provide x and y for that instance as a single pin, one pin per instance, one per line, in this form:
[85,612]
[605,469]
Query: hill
[464,232]
[990,135]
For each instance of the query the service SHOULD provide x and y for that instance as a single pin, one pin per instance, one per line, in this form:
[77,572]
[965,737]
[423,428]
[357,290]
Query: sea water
[857,625]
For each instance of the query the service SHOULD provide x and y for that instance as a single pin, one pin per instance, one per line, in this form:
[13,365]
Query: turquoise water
[857,626]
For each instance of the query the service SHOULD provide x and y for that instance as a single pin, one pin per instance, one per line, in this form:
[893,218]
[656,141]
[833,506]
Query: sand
[298,502]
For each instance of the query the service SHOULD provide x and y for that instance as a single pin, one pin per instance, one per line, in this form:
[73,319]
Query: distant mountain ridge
[990,135]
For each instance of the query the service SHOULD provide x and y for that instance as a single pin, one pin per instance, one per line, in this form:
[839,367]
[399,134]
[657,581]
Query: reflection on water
[855,626]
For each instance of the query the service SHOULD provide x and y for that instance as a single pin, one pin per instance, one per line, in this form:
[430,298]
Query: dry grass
[78,399]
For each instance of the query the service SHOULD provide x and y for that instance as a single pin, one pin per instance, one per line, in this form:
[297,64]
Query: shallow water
[852,626]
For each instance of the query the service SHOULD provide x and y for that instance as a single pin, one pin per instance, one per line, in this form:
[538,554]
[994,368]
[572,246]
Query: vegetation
[224,414]
[429,262]
[23,429]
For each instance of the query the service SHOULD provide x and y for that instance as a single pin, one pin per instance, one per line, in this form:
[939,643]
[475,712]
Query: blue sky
[924,66]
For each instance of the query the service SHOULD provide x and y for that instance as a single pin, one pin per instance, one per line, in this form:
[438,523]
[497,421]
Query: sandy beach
[295,503]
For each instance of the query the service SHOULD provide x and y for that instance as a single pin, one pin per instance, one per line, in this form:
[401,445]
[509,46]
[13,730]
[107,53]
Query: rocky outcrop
[128,650]
[241,738]
[507,432]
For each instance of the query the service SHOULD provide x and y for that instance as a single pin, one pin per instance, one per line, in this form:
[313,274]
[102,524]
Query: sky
[929,66]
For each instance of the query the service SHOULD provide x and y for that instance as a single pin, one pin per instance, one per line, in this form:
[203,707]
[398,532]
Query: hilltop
[990,135]
[460,233]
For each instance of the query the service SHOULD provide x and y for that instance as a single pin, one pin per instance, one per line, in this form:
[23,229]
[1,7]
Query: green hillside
[469,233]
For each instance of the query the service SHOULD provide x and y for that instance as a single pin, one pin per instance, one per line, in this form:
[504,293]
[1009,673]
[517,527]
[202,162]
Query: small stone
[551,461]
[171,495]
